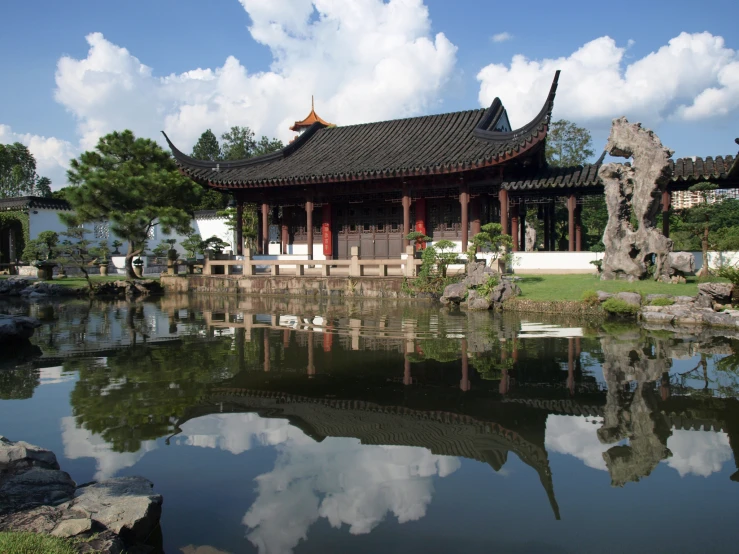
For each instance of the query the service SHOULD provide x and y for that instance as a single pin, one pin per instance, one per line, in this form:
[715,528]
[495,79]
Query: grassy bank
[31,543]
[570,287]
[78,282]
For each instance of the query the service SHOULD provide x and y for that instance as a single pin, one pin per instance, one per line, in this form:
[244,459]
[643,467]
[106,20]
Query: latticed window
[101,230]
[152,234]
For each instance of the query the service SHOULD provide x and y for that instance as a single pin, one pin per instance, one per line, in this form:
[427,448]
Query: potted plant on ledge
[40,252]
[116,245]
[138,266]
[420,239]
[193,246]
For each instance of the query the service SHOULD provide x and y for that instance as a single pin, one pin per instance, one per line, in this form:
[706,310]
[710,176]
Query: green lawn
[30,543]
[79,282]
[571,287]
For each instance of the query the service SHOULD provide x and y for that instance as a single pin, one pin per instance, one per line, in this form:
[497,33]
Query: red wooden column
[285,228]
[503,198]
[514,226]
[311,366]
[327,237]
[464,200]
[266,350]
[265,228]
[578,227]
[475,210]
[421,217]
[464,384]
[571,203]
[239,228]
[522,222]
[406,215]
[407,378]
[571,365]
[309,225]
[666,202]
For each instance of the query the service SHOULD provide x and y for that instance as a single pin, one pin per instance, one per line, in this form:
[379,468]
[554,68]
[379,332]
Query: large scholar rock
[36,496]
[634,189]
[530,238]
[454,293]
[125,505]
[717,292]
[476,274]
[503,291]
[475,302]
[14,328]
[681,263]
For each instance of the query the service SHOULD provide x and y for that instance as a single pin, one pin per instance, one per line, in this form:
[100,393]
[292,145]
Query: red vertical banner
[328,242]
[421,220]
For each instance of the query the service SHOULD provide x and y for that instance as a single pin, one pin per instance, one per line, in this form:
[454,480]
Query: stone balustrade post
[355,269]
[248,267]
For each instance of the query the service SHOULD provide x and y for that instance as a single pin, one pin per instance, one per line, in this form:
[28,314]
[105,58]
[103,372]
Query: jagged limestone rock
[530,238]
[634,190]
[633,415]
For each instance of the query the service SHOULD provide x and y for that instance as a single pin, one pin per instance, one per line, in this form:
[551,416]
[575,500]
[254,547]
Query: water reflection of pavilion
[635,398]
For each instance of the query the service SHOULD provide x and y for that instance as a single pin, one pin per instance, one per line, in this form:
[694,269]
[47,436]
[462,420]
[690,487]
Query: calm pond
[284,425]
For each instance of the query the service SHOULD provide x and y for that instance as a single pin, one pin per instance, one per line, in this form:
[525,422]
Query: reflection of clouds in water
[693,452]
[698,452]
[338,479]
[576,436]
[80,443]
[237,433]
[346,483]
[54,375]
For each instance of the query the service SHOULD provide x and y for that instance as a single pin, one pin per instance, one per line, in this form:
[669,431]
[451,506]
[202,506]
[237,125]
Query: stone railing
[354,267]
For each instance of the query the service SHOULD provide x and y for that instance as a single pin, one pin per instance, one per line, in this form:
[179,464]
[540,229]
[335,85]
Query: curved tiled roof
[38,202]
[722,170]
[428,145]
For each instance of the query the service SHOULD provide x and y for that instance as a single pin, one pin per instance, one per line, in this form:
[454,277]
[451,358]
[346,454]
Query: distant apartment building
[684,199]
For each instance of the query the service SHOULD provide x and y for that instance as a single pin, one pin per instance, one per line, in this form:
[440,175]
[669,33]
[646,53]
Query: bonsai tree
[161,249]
[444,255]
[41,249]
[193,244]
[41,252]
[116,245]
[215,244]
[171,251]
[492,239]
[417,237]
[75,250]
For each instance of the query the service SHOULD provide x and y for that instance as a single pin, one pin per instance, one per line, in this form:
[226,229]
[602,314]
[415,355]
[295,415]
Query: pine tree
[207,148]
[135,185]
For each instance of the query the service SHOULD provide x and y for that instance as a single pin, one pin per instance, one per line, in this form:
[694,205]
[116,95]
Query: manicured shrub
[590,298]
[662,302]
[616,306]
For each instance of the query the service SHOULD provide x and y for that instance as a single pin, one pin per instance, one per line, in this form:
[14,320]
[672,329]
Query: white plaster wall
[40,220]
[551,262]
[716,259]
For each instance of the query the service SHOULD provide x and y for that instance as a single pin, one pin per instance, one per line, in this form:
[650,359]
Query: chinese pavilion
[444,175]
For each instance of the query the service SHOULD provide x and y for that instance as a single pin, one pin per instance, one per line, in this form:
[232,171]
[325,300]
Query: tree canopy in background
[568,144]
[18,173]
[238,143]
[133,183]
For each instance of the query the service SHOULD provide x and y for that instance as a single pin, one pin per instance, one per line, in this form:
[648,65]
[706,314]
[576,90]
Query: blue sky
[76,70]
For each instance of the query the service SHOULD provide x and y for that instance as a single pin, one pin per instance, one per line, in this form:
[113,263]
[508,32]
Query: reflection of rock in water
[633,415]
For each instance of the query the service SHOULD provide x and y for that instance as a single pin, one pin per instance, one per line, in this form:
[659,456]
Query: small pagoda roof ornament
[312,118]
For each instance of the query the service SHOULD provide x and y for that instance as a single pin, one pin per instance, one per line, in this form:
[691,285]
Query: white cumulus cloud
[52,154]
[576,436]
[693,76]
[338,479]
[698,452]
[502,37]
